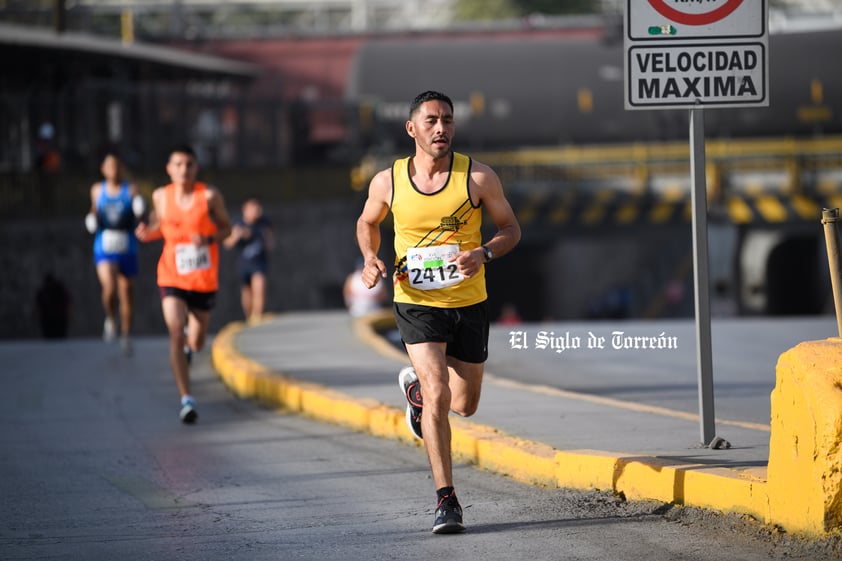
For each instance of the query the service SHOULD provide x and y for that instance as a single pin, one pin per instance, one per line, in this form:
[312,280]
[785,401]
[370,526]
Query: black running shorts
[465,330]
[194,300]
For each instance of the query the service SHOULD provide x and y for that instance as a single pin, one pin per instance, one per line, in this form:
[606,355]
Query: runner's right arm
[151,231]
[368,227]
[91,223]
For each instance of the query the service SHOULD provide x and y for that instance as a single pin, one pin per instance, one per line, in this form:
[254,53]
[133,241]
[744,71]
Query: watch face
[487,252]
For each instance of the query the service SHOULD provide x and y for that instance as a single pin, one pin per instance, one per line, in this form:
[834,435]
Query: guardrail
[779,180]
[785,164]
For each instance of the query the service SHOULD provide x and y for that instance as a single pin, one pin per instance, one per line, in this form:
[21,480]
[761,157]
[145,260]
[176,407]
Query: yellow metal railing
[784,160]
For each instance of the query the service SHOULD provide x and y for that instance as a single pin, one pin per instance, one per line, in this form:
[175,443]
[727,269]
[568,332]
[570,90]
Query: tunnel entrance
[793,282]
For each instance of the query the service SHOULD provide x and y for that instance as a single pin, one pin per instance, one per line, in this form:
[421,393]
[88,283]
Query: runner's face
[251,212]
[110,168]
[182,168]
[432,127]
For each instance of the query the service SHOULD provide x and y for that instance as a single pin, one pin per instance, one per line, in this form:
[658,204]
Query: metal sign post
[701,268]
[695,55]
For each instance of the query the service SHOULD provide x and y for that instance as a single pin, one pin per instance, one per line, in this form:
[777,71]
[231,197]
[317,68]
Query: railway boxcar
[519,92]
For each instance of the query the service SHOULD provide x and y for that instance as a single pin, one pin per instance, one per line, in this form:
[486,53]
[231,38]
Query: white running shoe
[188,413]
[109,330]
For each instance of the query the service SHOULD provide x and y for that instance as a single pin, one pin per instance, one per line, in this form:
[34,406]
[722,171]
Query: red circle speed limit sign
[707,13]
[677,20]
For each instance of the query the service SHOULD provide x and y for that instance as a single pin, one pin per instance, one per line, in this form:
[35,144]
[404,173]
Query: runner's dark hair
[425,97]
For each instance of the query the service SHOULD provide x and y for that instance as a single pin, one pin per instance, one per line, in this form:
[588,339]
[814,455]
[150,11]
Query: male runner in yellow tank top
[436,198]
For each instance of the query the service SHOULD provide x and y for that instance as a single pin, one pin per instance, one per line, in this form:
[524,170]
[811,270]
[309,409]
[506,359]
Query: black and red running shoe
[408,382]
[448,516]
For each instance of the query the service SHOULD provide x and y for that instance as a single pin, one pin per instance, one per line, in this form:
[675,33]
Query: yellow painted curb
[535,463]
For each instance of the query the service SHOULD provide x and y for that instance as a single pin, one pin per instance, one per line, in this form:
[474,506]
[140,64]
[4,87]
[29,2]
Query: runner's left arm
[220,216]
[485,185]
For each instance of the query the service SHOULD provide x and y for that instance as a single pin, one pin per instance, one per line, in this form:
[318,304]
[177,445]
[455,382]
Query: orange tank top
[182,264]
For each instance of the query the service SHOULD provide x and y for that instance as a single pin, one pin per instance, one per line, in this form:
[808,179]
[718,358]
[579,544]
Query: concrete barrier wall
[805,448]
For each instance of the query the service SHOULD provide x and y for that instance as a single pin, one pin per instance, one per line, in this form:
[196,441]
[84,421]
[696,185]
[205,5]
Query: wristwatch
[487,252]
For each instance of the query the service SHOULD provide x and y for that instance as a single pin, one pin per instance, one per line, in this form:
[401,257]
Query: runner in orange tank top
[191,218]
[183,264]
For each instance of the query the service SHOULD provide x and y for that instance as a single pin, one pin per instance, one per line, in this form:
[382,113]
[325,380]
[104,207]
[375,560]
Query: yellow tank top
[428,229]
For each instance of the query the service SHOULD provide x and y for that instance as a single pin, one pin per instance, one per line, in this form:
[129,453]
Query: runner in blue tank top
[115,208]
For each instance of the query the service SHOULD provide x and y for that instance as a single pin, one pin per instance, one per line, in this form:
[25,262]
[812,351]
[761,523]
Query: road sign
[657,20]
[696,54]
[708,74]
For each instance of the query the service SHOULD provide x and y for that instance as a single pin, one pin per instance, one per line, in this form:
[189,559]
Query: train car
[561,99]
[523,92]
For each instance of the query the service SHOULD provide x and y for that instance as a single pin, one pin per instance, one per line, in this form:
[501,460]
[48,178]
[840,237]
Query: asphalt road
[96,466]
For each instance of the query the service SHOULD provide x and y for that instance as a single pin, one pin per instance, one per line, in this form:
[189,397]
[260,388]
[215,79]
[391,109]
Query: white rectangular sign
[709,74]
[696,54]
[654,20]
